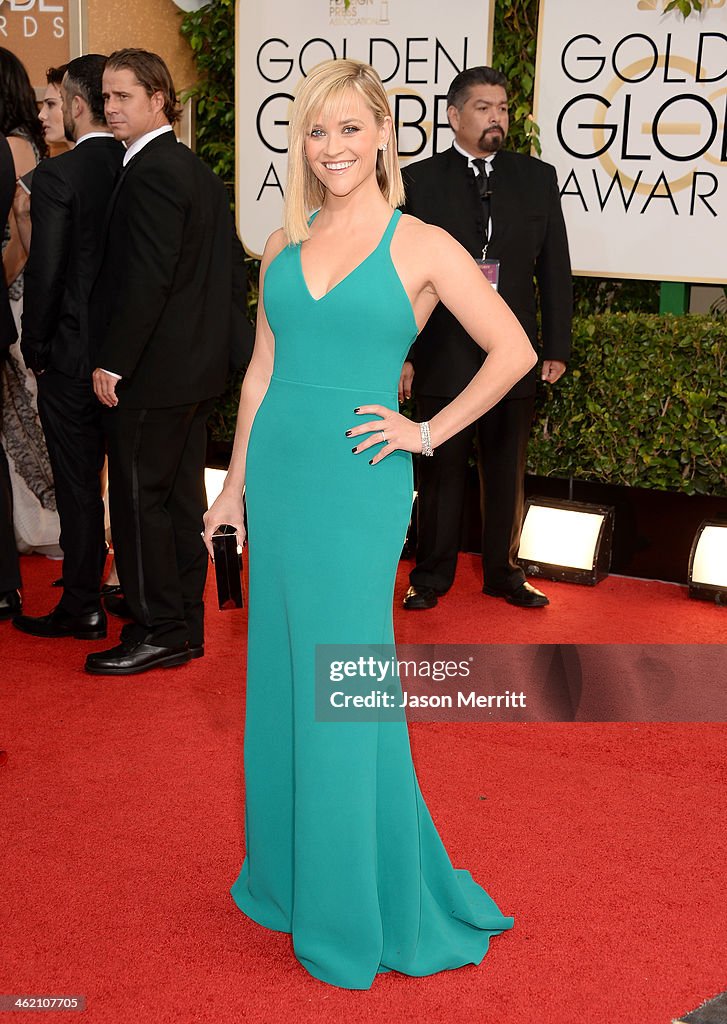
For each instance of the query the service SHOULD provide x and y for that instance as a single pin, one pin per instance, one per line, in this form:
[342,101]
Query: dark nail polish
[354,450]
[356,410]
[348,433]
[371,462]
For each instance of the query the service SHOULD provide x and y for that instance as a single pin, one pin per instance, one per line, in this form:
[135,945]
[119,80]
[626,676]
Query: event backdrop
[43,33]
[632,105]
[417,46]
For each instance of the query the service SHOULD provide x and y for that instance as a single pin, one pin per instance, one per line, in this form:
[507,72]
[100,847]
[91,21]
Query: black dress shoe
[106,589]
[524,596]
[196,651]
[10,604]
[418,599]
[134,656]
[115,604]
[59,623]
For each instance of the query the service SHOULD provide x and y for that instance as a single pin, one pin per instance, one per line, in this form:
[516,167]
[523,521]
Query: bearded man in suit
[70,196]
[505,209]
[168,320]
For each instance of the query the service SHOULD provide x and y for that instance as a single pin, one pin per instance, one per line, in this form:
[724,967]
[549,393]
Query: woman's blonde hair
[320,94]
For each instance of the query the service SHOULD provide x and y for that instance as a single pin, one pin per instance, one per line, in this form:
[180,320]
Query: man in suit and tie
[505,209]
[10,602]
[167,317]
[70,196]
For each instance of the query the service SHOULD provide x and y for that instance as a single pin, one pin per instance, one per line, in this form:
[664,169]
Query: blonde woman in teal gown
[341,851]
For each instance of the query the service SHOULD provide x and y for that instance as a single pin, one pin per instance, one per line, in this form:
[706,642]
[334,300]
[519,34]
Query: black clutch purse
[228,568]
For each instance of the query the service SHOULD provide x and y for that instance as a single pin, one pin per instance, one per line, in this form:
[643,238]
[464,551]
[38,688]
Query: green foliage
[644,404]
[515,36]
[211,34]
[685,6]
[606,295]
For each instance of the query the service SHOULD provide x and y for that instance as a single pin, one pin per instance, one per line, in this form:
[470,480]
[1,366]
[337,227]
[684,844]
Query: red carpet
[122,815]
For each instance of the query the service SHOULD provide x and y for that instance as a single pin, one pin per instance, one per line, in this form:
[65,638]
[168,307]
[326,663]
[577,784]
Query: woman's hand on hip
[390,433]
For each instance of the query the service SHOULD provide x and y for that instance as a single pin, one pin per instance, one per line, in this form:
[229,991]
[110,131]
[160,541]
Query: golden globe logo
[651,118]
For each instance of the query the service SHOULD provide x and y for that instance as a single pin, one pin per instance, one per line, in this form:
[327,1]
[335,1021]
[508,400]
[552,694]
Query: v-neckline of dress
[351,272]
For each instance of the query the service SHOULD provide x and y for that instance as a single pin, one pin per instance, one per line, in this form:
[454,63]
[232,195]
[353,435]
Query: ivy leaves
[211,34]
[644,404]
[514,43]
[685,6]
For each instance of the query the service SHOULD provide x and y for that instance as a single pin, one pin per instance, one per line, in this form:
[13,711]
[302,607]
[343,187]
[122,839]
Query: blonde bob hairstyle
[321,93]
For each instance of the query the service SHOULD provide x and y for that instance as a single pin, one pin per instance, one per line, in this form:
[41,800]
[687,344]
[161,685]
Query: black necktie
[483,184]
[482,169]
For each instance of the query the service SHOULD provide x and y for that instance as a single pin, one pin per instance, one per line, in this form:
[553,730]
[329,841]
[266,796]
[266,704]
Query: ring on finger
[383,435]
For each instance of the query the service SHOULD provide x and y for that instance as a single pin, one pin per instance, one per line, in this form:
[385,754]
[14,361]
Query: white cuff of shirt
[112,374]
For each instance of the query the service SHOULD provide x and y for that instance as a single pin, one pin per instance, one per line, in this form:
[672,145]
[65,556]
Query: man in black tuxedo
[503,207]
[167,316]
[70,196]
[9,567]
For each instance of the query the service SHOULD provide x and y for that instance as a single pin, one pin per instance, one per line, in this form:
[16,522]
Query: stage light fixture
[708,562]
[566,540]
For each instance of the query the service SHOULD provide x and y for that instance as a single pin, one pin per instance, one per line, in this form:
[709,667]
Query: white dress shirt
[143,140]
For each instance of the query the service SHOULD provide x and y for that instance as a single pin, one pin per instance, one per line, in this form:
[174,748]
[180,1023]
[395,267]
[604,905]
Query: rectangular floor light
[566,540]
[708,562]
[213,481]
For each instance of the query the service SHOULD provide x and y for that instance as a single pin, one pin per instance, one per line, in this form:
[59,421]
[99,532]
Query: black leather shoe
[418,599]
[196,651]
[524,596]
[106,589]
[10,604]
[115,604]
[134,656]
[59,623]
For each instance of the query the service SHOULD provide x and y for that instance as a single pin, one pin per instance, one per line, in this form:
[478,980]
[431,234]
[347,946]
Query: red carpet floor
[122,828]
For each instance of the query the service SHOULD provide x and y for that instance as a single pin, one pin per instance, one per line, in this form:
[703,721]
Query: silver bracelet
[426,439]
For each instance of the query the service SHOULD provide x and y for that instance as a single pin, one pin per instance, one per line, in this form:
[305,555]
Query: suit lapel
[463,199]
[148,150]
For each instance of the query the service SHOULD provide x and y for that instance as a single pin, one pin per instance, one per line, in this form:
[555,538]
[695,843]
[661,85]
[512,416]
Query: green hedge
[644,403]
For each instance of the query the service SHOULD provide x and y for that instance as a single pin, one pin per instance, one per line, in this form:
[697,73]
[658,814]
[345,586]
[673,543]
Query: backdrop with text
[42,33]
[416,49]
[632,108]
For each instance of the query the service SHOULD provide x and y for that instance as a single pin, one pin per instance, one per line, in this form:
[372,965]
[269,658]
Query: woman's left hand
[399,433]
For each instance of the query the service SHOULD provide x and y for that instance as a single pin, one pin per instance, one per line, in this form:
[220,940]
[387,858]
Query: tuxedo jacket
[8,331]
[528,237]
[70,195]
[168,305]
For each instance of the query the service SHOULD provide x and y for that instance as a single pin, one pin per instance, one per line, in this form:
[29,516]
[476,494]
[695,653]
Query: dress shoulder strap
[391,228]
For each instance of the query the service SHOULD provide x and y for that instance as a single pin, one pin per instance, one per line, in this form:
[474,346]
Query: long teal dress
[341,849]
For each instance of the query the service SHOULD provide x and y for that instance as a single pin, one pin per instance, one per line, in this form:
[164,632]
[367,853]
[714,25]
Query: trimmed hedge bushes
[644,404]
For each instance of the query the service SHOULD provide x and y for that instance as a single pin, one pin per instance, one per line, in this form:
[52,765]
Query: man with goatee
[505,209]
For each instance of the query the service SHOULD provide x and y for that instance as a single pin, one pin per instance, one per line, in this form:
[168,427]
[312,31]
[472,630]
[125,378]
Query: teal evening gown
[341,850]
